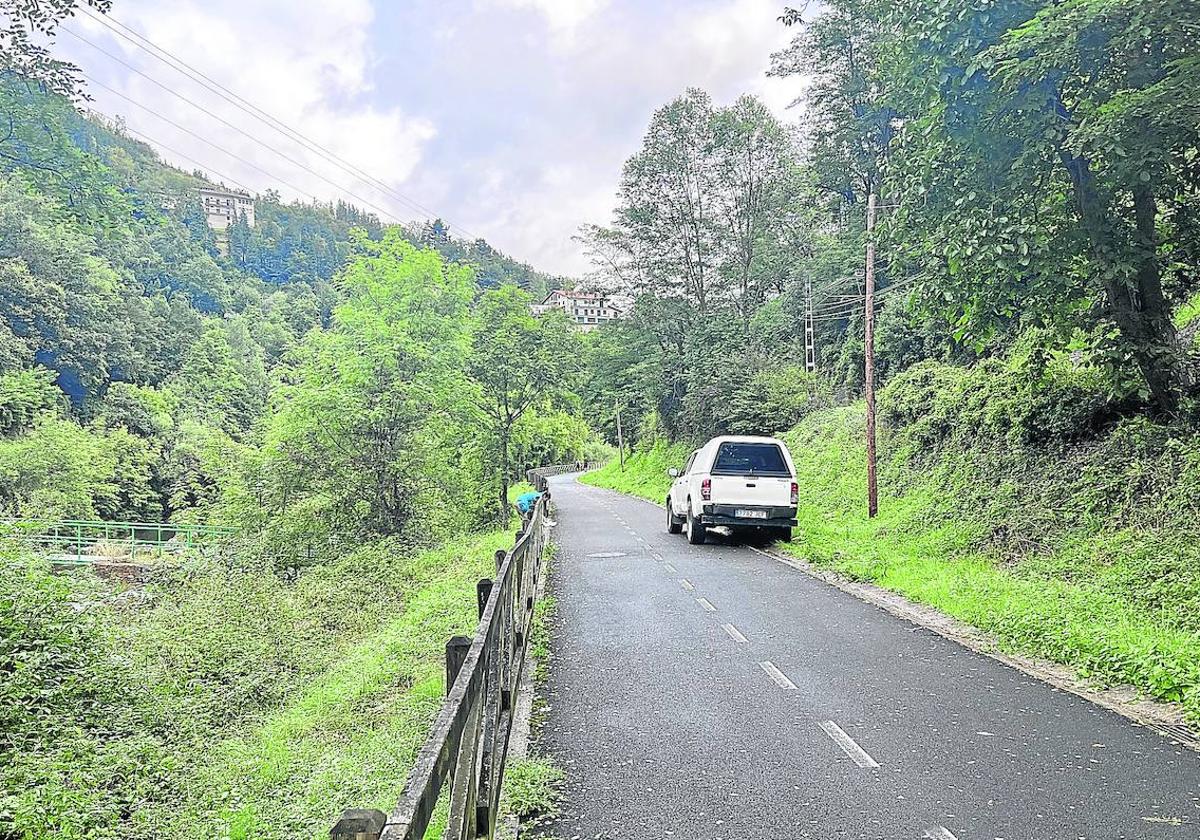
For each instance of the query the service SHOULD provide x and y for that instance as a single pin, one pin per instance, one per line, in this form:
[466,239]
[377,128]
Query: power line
[239,130]
[854,303]
[177,153]
[176,63]
[198,136]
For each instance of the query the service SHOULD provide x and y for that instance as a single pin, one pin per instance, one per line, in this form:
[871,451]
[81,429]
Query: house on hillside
[587,310]
[222,207]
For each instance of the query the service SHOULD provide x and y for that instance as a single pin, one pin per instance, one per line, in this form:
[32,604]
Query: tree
[1109,90]
[20,56]
[368,425]
[755,182]
[516,362]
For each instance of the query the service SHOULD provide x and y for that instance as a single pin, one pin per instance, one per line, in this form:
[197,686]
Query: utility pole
[620,439]
[810,338]
[869,351]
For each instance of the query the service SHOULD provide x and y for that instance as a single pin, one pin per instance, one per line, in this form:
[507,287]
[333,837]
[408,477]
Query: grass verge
[645,472]
[349,737]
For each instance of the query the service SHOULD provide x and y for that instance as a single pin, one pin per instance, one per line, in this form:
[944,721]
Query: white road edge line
[857,754]
[670,569]
[735,634]
[778,676]
[704,602]
[686,584]
[940,832]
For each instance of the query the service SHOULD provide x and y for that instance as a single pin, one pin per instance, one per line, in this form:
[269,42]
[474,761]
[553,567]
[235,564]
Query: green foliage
[532,789]
[366,430]
[492,268]
[24,395]
[23,48]
[645,472]
[60,470]
[517,364]
[227,701]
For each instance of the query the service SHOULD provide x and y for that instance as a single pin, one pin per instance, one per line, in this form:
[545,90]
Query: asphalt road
[712,692]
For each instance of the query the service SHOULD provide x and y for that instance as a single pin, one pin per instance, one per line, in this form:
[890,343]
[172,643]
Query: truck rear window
[750,459]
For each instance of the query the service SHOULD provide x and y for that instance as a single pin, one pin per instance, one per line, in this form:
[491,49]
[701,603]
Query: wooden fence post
[359,824]
[456,655]
[483,591]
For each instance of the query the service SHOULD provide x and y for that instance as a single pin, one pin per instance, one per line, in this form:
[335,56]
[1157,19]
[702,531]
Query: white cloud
[562,17]
[607,90]
[309,64]
[510,118]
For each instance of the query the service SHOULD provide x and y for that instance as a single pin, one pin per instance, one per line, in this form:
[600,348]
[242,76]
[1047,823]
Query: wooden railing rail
[468,744]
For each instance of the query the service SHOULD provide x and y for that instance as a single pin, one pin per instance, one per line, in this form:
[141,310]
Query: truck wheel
[674,526]
[696,532]
[782,534]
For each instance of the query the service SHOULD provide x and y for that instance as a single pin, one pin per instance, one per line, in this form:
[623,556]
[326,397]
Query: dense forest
[350,399]
[1034,170]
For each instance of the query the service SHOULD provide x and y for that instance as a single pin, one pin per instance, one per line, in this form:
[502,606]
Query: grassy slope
[1085,620]
[645,473]
[349,737]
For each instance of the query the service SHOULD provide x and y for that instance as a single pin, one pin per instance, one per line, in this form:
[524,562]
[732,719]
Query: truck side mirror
[674,473]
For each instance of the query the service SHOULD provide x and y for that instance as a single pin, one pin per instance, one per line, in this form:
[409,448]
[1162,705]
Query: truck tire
[674,526]
[781,534]
[696,532]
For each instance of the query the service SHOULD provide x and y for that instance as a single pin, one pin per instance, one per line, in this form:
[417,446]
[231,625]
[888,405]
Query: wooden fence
[467,746]
[538,476]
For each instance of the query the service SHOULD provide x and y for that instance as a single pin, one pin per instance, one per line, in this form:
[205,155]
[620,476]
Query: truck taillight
[795,493]
[706,489]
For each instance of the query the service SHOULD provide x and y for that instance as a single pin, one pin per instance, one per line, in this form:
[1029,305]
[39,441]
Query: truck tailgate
[751,490]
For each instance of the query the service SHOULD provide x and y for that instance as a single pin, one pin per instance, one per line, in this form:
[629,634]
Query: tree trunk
[1143,319]
[504,436]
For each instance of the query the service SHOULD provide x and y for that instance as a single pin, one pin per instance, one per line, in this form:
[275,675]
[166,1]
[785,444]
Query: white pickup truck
[745,483]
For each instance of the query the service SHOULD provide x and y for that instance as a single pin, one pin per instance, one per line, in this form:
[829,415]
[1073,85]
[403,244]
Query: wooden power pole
[810,336]
[869,351]
[620,439]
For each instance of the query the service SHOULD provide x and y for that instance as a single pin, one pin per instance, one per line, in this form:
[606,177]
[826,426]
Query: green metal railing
[84,539]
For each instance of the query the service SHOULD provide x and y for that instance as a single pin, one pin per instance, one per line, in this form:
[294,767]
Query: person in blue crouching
[526,502]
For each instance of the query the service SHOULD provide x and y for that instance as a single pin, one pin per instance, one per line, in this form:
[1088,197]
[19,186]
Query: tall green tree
[517,362]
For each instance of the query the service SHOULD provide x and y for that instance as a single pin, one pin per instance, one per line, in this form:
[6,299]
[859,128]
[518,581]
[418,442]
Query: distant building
[587,309]
[222,207]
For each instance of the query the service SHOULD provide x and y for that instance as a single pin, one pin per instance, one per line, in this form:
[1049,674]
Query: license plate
[751,514]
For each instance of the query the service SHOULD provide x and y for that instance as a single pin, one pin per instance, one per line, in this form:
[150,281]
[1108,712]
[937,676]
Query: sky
[510,119]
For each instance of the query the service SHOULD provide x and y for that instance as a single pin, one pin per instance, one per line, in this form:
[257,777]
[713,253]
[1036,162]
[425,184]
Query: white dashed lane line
[735,634]
[857,754]
[670,569]
[704,602]
[940,832]
[778,676]
[686,584]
